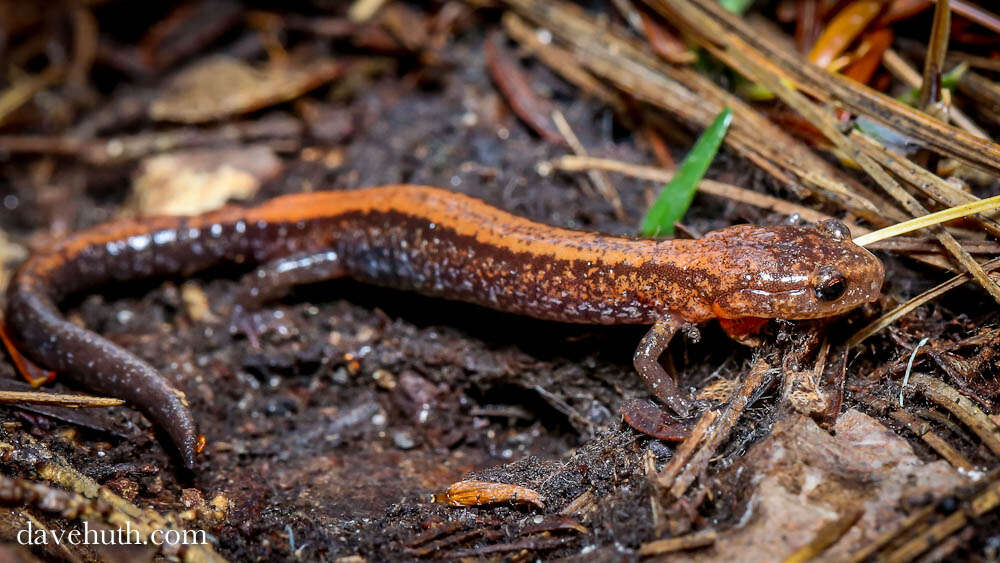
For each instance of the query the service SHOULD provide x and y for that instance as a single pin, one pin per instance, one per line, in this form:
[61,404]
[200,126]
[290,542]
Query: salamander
[438,243]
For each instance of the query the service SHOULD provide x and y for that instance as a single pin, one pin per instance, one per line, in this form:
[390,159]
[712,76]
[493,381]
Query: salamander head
[794,272]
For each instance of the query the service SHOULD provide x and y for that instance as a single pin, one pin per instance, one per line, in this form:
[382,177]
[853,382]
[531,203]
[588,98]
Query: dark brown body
[428,240]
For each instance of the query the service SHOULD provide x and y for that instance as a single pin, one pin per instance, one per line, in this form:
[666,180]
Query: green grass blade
[949,81]
[676,196]
[736,6]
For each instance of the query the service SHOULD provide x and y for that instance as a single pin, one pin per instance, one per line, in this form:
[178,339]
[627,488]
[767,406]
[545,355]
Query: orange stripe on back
[469,217]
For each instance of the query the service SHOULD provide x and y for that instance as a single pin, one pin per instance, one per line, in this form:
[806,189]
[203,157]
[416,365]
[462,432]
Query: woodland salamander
[438,243]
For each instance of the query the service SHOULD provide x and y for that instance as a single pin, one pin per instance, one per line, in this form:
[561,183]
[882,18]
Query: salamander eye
[830,284]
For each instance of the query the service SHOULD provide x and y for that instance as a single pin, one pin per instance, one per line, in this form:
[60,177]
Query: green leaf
[676,196]
[736,6]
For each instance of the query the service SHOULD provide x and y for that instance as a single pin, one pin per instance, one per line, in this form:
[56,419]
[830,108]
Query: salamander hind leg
[274,279]
[647,363]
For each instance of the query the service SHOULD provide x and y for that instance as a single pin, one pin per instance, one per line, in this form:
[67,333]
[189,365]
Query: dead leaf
[806,478]
[219,87]
[192,182]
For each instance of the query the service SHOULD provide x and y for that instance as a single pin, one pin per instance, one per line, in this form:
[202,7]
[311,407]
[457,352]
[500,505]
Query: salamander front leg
[647,363]
[274,279]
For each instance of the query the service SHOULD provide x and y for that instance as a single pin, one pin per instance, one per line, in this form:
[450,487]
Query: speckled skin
[438,243]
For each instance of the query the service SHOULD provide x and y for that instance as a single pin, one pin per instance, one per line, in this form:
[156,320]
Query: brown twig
[904,309]
[727,37]
[937,443]
[930,89]
[976,14]
[914,520]
[902,70]
[956,403]
[558,58]
[57,399]
[685,92]
[678,477]
[670,545]
[277,129]
[985,502]
[664,43]
[600,180]
[682,455]
[22,90]
[905,245]
[826,537]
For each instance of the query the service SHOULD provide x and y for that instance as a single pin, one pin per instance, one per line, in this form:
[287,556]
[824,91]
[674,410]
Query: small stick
[930,219]
[929,295]
[906,73]
[977,14]
[721,189]
[930,89]
[559,59]
[57,399]
[921,178]
[916,518]
[679,476]
[987,501]
[914,244]
[966,411]
[600,180]
[687,448]
[22,90]
[937,443]
[826,536]
[670,545]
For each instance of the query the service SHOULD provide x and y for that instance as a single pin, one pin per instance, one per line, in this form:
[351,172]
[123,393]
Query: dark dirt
[360,403]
